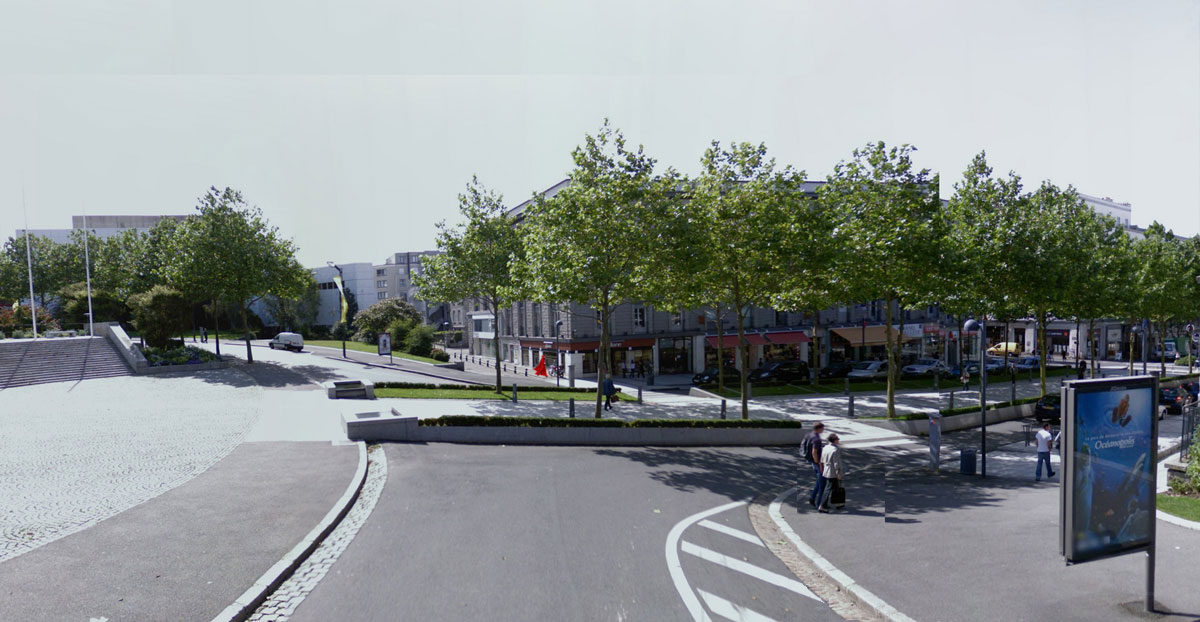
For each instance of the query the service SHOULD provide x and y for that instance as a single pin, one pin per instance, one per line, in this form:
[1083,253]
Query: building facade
[103,226]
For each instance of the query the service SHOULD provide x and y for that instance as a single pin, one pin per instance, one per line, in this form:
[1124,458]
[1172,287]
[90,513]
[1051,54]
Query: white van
[287,341]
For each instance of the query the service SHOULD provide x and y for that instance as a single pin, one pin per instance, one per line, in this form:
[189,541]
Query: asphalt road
[557,533]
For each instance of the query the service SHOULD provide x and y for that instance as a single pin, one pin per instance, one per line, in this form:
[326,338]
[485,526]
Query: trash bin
[967,462]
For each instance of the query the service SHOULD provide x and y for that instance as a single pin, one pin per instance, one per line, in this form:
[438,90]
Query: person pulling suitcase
[832,469]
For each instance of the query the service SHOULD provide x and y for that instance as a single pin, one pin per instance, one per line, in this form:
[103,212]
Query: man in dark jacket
[811,448]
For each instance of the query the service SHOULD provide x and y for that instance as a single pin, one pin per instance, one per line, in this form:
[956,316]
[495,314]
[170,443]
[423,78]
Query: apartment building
[103,226]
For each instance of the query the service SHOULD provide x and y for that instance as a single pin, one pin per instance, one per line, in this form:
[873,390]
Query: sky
[354,125]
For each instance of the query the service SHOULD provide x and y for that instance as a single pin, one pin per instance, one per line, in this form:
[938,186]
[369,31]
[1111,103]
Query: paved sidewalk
[952,547]
[190,552]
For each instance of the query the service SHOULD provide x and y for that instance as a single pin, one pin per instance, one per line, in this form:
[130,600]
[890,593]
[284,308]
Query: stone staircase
[37,361]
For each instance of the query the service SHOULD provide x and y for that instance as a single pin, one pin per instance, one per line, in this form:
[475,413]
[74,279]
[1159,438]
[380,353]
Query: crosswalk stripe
[730,531]
[730,611]
[749,569]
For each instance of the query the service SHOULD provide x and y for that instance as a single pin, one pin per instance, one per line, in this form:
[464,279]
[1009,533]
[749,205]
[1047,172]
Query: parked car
[709,375]
[1170,401]
[1192,388]
[869,369]
[1025,363]
[780,372]
[994,366]
[838,369]
[1049,407]
[287,341]
[925,366]
[1006,347]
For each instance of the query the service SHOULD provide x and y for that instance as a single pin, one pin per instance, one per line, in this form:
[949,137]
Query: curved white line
[681,585]
[843,579]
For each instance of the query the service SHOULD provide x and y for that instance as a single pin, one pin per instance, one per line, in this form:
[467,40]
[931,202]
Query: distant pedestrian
[609,390]
[935,441]
[1045,441]
[965,378]
[203,335]
[811,450]
[832,471]
[1081,367]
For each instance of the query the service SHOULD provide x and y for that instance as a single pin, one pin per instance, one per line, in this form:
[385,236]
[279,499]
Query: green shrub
[186,355]
[1189,484]
[398,329]
[378,317]
[587,422]
[159,314]
[438,355]
[477,387]
[1185,361]
[419,341]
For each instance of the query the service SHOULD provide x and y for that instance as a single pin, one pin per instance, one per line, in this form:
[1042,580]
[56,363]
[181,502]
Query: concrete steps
[37,361]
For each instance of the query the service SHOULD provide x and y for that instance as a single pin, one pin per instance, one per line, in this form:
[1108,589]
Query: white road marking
[676,569]
[730,611]
[749,569]
[863,594]
[730,531]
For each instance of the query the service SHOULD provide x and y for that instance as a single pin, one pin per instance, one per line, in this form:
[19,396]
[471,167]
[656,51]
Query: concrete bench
[350,389]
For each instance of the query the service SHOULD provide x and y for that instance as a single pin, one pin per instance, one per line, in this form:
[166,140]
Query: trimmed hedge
[587,422]
[479,387]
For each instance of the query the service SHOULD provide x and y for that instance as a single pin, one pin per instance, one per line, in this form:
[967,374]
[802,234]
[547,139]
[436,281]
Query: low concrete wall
[124,345]
[920,427]
[187,368]
[377,426]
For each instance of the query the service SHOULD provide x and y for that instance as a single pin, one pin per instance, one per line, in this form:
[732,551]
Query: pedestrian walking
[203,335]
[935,441]
[811,452]
[832,471]
[965,378]
[609,391]
[1044,442]
[1080,367]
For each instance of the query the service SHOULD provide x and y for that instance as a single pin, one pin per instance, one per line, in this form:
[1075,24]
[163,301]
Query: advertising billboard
[385,344]
[1110,445]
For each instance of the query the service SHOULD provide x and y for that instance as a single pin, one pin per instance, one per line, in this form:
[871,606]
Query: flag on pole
[337,279]
[540,370]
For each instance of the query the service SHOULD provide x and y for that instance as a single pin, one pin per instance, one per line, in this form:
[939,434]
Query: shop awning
[590,345]
[791,336]
[731,340]
[870,336]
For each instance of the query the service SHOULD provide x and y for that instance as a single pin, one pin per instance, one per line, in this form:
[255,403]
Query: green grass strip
[1183,507]
[489,393]
[591,422]
[358,346]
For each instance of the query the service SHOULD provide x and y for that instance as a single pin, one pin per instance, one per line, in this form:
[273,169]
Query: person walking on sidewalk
[966,378]
[610,390]
[1044,440]
[831,469]
[811,448]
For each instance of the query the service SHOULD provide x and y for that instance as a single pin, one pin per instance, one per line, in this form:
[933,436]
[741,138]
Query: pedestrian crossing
[729,574]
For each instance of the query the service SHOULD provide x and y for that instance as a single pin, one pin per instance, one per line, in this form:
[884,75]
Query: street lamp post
[446,337]
[557,353]
[981,326]
[342,292]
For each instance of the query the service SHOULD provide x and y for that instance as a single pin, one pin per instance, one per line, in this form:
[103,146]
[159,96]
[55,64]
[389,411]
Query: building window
[401,283]
[639,317]
[381,272]
[677,320]
[381,283]
[381,296]
[537,320]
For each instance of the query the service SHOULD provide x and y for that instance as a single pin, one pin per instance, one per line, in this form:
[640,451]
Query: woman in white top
[831,470]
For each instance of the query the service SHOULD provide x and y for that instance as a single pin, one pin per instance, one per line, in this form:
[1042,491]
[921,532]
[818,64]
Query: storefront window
[675,355]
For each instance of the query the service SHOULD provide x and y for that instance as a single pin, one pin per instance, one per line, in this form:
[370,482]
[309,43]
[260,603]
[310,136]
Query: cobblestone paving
[74,454]
[280,605]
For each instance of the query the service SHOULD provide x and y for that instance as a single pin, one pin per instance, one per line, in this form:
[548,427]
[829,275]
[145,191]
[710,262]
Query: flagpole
[87,268]
[29,264]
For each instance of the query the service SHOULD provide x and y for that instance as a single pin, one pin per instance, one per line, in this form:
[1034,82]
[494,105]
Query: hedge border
[480,387]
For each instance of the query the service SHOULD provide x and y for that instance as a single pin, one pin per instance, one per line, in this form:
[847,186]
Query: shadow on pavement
[731,473]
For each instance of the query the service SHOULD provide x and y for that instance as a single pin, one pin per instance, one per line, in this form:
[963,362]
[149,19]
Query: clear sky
[354,125]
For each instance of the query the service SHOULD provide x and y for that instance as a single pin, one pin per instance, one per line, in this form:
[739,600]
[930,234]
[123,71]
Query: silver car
[926,366]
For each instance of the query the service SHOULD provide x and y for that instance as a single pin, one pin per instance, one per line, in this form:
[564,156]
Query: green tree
[296,314]
[229,251]
[1100,258]
[419,340]
[375,319]
[54,267]
[891,218]
[478,259]
[598,242]
[1162,269]
[106,306]
[762,240]
[159,314]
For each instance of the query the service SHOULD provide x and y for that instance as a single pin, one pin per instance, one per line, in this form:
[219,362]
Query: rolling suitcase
[837,498]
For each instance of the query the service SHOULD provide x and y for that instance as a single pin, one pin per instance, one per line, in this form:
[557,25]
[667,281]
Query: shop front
[675,355]
[755,343]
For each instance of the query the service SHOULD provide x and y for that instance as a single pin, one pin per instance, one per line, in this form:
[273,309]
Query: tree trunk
[744,355]
[1091,348]
[1077,341]
[1042,348]
[720,351]
[814,356]
[1012,373]
[602,364]
[1162,350]
[216,327]
[891,356]
[496,345]
[245,332]
[1131,340]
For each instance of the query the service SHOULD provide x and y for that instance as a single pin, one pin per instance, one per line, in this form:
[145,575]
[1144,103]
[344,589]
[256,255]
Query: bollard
[749,390]
[951,400]
[639,395]
[851,412]
[514,393]
[722,409]
[572,400]
[526,373]
[937,382]
[847,389]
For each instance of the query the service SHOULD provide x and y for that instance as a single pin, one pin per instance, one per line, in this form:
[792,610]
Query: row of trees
[224,255]
[744,233]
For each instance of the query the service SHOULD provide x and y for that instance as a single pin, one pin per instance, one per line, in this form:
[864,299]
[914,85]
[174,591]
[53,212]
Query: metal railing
[1190,420]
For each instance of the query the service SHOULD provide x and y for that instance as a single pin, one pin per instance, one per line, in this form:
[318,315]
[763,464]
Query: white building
[358,278]
[102,225]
